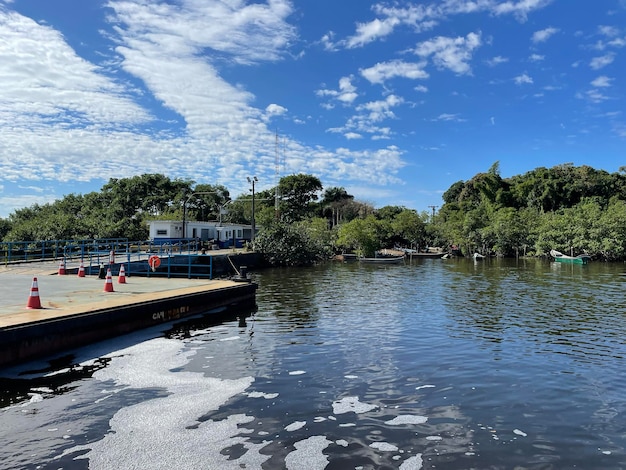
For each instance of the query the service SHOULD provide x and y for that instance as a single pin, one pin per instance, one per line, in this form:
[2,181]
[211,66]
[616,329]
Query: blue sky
[394,101]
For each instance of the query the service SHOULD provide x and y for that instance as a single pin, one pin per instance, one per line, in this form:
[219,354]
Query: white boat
[383,260]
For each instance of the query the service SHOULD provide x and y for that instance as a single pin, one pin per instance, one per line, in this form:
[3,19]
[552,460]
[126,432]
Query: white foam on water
[34,398]
[407,419]
[351,376]
[434,438]
[230,338]
[384,446]
[165,432]
[424,386]
[351,404]
[295,426]
[297,372]
[341,442]
[412,463]
[519,433]
[308,454]
[267,396]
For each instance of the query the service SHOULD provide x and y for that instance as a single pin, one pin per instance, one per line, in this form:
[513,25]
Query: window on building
[162,231]
[239,233]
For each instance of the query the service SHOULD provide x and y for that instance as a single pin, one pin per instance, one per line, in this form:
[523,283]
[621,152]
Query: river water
[447,364]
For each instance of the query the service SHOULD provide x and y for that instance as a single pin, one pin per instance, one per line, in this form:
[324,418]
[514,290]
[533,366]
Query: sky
[394,101]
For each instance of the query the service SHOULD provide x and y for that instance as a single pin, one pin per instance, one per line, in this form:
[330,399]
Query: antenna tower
[277,177]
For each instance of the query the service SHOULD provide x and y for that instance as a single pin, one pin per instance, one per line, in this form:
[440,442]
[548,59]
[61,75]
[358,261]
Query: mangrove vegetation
[568,208]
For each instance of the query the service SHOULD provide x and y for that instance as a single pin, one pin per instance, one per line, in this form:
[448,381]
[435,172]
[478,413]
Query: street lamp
[252,180]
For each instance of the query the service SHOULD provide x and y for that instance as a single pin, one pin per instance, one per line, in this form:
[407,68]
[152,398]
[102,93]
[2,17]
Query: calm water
[446,364]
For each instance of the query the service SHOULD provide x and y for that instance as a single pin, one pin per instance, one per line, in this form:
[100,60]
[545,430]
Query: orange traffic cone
[108,286]
[33,299]
[81,270]
[62,267]
[121,278]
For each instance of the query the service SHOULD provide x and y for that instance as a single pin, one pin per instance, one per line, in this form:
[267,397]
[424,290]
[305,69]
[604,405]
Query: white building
[222,234]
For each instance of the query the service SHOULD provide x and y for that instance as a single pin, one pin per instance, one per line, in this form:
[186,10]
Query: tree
[409,227]
[289,244]
[334,203]
[298,193]
[205,201]
[361,235]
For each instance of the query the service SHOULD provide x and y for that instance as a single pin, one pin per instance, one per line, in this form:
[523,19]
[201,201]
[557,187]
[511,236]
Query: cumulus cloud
[368,32]
[346,93]
[450,53]
[523,79]
[602,82]
[274,110]
[543,35]
[494,61]
[384,71]
[423,17]
[602,61]
[520,8]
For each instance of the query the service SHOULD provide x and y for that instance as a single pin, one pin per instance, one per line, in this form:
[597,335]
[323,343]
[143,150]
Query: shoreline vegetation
[574,210]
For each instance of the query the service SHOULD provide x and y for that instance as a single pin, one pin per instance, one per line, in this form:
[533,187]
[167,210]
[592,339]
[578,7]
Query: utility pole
[433,208]
[252,180]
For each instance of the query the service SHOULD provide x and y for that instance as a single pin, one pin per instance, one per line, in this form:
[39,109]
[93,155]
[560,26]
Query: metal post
[253,180]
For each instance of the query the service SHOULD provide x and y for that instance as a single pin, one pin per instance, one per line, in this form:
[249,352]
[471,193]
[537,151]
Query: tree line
[568,208]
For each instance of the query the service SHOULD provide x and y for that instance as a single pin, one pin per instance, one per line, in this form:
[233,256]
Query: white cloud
[352,135]
[274,110]
[346,93]
[423,17]
[519,8]
[609,31]
[523,79]
[497,61]
[602,81]
[449,117]
[602,61]
[450,53]
[543,35]
[384,71]
[170,53]
[382,109]
[44,80]
[421,89]
[536,58]
[593,96]
[368,32]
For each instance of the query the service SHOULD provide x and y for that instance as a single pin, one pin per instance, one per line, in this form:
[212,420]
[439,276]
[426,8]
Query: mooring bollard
[102,273]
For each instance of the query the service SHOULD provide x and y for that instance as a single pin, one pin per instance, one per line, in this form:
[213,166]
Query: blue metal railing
[180,258]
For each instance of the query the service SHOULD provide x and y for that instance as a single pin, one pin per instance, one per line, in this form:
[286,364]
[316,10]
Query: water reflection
[432,364]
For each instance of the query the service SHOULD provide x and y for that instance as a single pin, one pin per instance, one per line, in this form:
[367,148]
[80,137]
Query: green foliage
[361,235]
[564,208]
[289,244]
[336,205]
[298,193]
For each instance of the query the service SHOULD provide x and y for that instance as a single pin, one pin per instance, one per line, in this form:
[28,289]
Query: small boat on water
[561,258]
[383,260]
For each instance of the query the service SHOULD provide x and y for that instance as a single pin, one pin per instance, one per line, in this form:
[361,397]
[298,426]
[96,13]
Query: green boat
[561,258]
